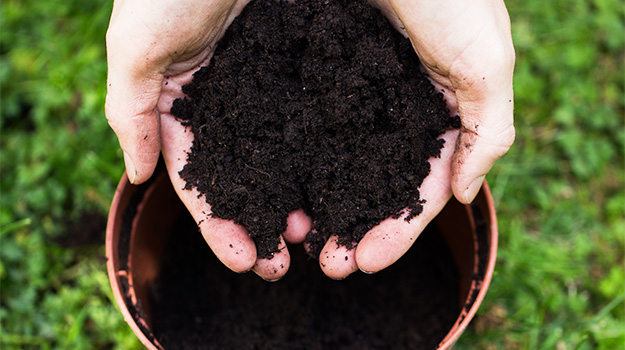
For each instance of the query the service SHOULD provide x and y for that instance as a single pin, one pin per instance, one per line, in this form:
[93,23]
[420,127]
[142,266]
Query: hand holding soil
[467,49]
[468,53]
[154,50]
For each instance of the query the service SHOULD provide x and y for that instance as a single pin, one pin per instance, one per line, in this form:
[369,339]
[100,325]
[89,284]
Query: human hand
[153,49]
[466,49]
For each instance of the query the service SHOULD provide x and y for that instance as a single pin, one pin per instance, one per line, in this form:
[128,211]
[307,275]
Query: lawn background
[560,275]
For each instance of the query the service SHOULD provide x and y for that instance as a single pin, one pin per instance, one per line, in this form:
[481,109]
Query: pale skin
[154,47]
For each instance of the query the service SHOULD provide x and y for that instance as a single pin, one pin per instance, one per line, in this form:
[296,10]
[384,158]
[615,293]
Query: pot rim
[481,285]
[112,239]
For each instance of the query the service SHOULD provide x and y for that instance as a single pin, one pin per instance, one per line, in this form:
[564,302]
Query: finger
[298,224]
[132,114]
[480,148]
[275,268]
[135,75]
[482,79]
[487,133]
[337,261]
[231,243]
[388,241]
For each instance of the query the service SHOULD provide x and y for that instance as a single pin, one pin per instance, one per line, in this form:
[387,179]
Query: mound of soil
[319,105]
[197,303]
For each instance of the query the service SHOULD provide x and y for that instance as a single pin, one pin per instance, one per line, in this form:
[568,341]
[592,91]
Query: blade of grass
[14,226]
[609,307]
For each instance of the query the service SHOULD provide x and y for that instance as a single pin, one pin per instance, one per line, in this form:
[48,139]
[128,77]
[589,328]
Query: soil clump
[319,105]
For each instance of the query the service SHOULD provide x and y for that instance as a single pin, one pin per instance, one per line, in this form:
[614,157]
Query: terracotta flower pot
[141,218]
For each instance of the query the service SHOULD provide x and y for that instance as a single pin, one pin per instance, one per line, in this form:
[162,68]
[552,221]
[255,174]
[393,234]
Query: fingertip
[140,152]
[274,269]
[471,191]
[271,271]
[369,262]
[385,244]
[337,262]
[131,111]
[241,259]
[143,173]
[474,156]
[230,243]
[298,225]
[140,172]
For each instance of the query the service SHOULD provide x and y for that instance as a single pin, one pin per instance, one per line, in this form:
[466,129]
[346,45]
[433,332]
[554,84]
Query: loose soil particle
[319,105]
[197,303]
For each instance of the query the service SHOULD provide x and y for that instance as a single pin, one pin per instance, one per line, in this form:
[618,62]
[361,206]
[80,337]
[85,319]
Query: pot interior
[174,289]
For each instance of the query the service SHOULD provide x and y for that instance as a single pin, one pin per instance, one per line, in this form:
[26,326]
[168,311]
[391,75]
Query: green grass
[59,160]
[560,276]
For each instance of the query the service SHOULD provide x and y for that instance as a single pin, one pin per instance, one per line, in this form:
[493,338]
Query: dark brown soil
[318,105]
[197,303]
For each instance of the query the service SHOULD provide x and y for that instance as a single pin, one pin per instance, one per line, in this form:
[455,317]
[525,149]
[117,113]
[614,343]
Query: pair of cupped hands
[154,47]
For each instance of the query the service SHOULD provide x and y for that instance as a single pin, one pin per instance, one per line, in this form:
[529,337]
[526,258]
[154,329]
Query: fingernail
[131,171]
[473,189]
[367,272]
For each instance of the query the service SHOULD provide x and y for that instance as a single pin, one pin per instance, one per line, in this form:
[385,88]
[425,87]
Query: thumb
[486,134]
[468,48]
[132,114]
[482,77]
[135,77]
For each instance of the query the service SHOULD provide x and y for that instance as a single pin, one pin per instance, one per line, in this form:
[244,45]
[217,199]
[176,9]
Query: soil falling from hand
[319,105]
